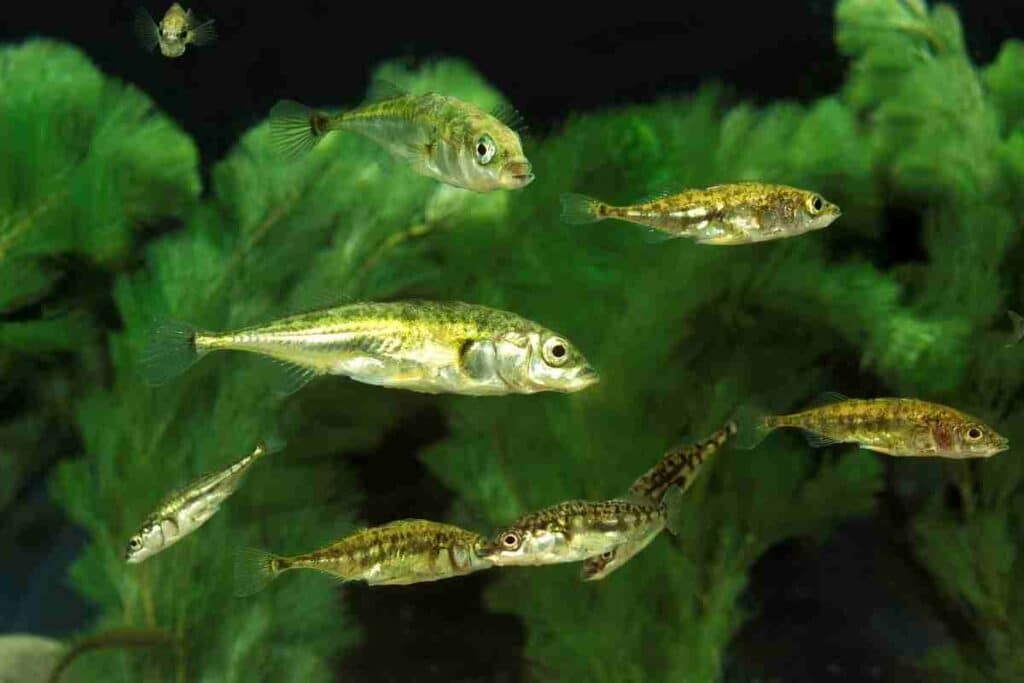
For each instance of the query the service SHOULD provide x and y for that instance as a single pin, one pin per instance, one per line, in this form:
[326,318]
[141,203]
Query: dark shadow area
[438,631]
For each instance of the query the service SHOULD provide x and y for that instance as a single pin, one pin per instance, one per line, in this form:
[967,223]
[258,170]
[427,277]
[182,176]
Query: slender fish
[739,213]
[440,137]
[429,347]
[395,554]
[893,426]
[575,530]
[185,510]
[679,467]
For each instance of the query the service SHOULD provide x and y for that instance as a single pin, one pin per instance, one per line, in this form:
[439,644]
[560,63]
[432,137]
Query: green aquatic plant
[681,334]
[87,165]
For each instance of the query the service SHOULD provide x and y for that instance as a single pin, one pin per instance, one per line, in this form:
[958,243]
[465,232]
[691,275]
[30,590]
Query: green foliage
[87,163]
[682,334]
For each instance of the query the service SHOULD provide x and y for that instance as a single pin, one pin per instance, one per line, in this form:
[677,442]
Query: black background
[842,611]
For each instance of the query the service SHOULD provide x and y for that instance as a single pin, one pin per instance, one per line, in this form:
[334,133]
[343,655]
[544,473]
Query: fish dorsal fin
[510,116]
[817,440]
[381,91]
[828,398]
[655,196]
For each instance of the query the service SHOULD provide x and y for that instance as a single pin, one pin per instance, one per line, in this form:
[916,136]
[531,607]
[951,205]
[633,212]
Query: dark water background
[850,609]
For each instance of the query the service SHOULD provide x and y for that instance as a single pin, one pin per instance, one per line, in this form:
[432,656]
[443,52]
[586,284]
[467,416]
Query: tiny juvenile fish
[185,510]
[395,554]
[177,30]
[575,530]
[678,468]
[440,137]
[738,213]
[429,347]
[893,426]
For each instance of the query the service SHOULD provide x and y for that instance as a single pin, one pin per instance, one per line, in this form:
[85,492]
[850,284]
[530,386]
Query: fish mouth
[584,377]
[517,174]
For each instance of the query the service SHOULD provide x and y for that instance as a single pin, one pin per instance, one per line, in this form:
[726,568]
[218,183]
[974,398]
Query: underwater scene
[383,343]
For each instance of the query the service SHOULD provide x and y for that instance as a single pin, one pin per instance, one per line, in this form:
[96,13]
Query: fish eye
[511,541]
[485,149]
[607,555]
[973,434]
[135,543]
[815,204]
[555,351]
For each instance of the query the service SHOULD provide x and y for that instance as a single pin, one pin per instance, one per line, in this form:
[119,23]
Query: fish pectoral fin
[655,236]
[879,449]
[817,440]
[202,34]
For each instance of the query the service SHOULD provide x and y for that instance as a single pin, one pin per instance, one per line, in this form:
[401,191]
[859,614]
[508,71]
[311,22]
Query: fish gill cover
[680,333]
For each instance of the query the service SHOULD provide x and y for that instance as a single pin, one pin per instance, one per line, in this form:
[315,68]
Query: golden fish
[187,509]
[178,29]
[395,554]
[440,137]
[574,530]
[424,346]
[679,467]
[893,426]
[739,213]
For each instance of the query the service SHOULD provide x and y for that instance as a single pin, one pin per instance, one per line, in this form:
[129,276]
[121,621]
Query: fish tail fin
[272,443]
[295,129]
[578,209]
[1018,326]
[752,426]
[171,350]
[146,29]
[203,34]
[673,503]
[254,569]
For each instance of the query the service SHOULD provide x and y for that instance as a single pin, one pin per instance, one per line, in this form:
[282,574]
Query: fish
[576,530]
[892,426]
[399,553]
[1018,327]
[438,136]
[182,512]
[421,346]
[677,468]
[737,213]
[178,29]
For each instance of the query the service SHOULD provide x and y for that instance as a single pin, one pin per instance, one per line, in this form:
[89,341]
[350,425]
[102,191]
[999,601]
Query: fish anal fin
[292,377]
[817,440]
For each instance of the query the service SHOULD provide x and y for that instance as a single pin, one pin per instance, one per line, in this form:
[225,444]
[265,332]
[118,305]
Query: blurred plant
[86,164]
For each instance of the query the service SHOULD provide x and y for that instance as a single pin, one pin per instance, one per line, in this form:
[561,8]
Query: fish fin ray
[171,350]
[254,569]
[295,129]
[146,30]
[510,116]
[203,34]
[751,427]
[828,398]
[292,377]
[579,209]
[816,440]
[382,90]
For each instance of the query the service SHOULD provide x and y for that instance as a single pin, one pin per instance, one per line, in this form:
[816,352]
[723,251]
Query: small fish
[576,530]
[187,509]
[178,29]
[1018,328]
[893,426]
[679,467]
[739,213]
[395,554]
[429,347]
[440,137]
